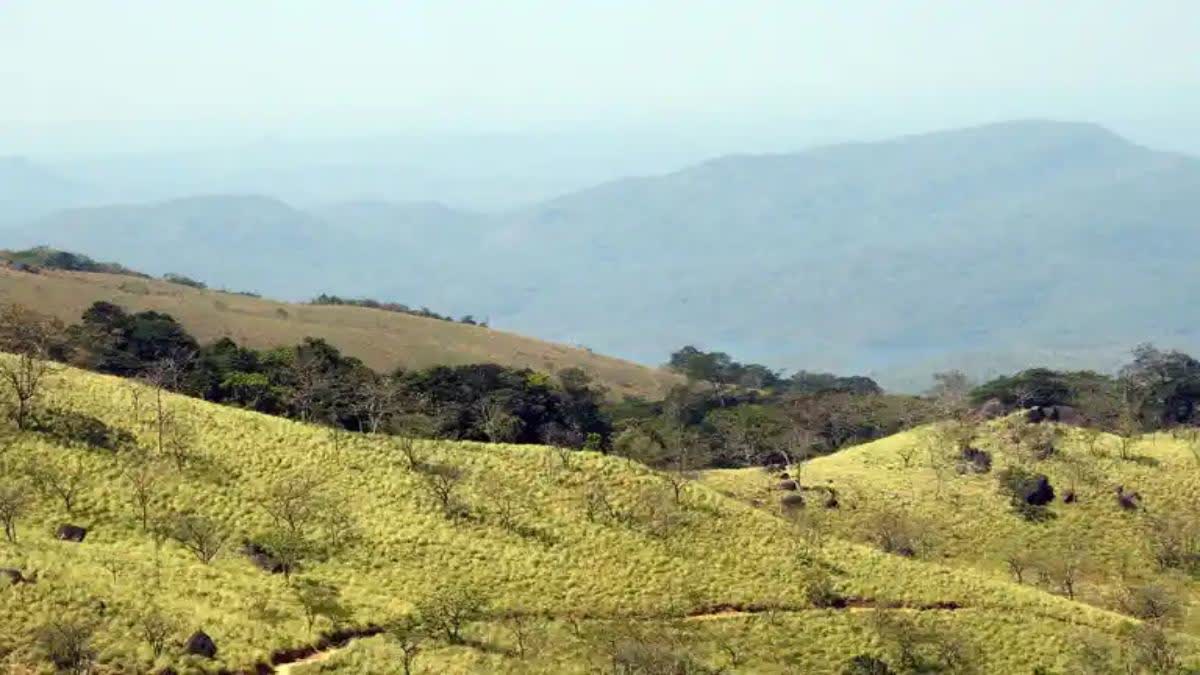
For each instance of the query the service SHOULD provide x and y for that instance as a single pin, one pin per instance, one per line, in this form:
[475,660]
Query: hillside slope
[383,340]
[594,545]
[966,520]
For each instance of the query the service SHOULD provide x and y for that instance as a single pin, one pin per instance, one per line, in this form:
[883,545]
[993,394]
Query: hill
[554,563]
[383,340]
[978,248]
[1103,550]
[28,190]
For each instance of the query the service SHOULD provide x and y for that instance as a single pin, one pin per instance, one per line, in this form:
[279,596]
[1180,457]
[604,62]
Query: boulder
[262,558]
[1128,499]
[1069,497]
[1039,492]
[71,533]
[974,460]
[14,577]
[1065,414]
[1035,415]
[792,501]
[789,485]
[200,644]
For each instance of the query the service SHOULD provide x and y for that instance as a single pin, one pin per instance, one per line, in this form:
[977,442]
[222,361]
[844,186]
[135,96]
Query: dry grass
[383,340]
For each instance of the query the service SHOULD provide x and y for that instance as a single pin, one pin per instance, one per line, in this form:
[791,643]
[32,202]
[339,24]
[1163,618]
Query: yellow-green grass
[971,521]
[724,553]
[383,340]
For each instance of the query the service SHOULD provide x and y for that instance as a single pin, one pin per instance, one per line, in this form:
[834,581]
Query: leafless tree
[310,383]
[176,437]
[157,629]
[442,482]
[29,337]
[413,451]
[295,503]
[318,600]
[14,502]
[526,630]
[450,610]
[61,479]
[497,423]
[377,400]
[143,483]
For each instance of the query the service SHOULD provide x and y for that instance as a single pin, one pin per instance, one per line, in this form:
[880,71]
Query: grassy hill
[967,522]
[383,340]
[616,568]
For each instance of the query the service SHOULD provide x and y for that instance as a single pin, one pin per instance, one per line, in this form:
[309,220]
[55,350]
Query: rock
[785,476]
[200,644]
[1035,415]
[71,533]
[1069,497]
[14,576]
[262,558]
[1065,414]
[1128,500]
[792,501]
[974,460]
[789,485]
[1040,492]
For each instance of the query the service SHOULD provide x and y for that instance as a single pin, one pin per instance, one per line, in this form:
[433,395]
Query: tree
[59,479]
[14,502]
[378,399]
[295,503]
[204,537]
[409,634]
[452,609]
[157,629]
[442,482]
[525,629]
[319,600]
[413,451]
[66,644]
[498,424]
[951,391]
[143,483]
[749,429]
[30,338]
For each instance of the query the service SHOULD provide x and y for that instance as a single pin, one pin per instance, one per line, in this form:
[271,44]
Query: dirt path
[289,668]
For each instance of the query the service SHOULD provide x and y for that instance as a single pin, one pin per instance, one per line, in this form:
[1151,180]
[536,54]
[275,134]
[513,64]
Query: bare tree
[526,630]
[157,629]
[59,479]
[176,437]
[295,503]
[377,400]
[204,537]
[497,423]
[442,482]
[164,375]
[66,644]
[29,337]
[310,383]
[143,488]
[414,453]
[14,502]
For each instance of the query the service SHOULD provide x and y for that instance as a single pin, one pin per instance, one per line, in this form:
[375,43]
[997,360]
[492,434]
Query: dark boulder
[15,577]
[1069,497]
[974,460]
[1128,499]
[200,644]
[1035,415]
[1040,492]
[785,476]
[1065,414]
[262,558]
[789,485]
[792,501]
[71,533]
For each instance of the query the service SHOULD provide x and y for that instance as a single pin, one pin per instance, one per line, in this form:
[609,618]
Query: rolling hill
[381,339]
[590,560]
[979,248]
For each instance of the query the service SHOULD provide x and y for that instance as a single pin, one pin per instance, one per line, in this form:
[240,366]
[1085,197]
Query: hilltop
[384,340]
[555,561]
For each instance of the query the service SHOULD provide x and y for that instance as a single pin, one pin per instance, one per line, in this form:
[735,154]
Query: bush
[820,592]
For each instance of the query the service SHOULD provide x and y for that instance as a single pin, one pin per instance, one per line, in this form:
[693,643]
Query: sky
[71,71]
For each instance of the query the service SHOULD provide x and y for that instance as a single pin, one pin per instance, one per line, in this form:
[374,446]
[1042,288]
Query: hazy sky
[357,66]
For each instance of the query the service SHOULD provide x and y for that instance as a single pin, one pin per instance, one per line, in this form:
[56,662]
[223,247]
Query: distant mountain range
[986,248]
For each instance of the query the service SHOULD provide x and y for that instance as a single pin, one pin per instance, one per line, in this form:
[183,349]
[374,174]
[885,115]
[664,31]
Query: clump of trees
[398,307]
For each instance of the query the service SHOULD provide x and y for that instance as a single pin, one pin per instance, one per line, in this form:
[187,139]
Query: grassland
[727,582]
[970,523]
[383,340]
